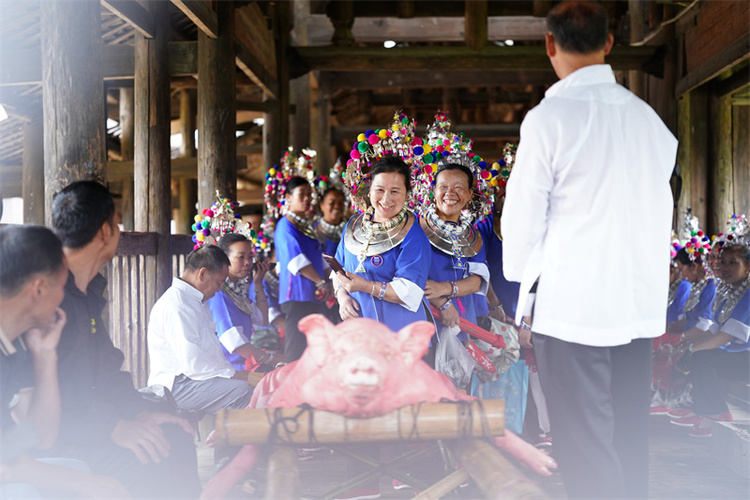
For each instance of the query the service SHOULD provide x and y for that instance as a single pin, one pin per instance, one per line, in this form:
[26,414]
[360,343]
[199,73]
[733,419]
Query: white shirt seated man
[185,354]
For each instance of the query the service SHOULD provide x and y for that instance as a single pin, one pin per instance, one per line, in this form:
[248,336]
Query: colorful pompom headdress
[737,232]
[694,240]
[397,139]
[334,179]
[213,223]
[442,147]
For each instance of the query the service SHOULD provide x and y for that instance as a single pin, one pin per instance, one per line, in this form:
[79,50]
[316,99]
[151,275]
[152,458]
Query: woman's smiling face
[452,194]
[387,195]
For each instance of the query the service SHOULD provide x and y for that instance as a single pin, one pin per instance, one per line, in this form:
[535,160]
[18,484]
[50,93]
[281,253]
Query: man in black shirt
[105,421]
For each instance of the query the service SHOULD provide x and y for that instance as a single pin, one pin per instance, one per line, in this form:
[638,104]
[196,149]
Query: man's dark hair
[579,27]
[295,182]
[391,164]
[24,252]
[456,166]
[211,257]
[683,257]
[229,239]
[332,190]
[79,210]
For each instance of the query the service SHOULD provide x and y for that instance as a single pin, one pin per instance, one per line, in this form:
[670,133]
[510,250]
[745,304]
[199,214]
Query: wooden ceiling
[486,67]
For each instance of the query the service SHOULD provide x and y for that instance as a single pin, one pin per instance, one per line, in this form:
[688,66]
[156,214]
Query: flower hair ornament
[334,179]
[500,170]
[213,223]
[397,139]
[442,147]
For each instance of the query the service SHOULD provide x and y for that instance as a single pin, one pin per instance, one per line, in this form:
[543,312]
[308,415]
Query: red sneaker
[543,440]
[680,412]
[361,494]
[660,410]
[700,432]
[398,485]
[688,421]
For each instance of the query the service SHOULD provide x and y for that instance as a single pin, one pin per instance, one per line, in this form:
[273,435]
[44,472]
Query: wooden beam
[24,67]
[425,29]
[180,168]
[201,14]
[730,56]
[132,13]
[435,79]
[453,58]
[256,71]
[262,107]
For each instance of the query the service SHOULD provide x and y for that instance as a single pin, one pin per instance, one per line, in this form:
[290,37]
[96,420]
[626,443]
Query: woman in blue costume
[689,325]
[725,353]
[237,306]
[679,290]
[385,253]
[331,224]
[459,277]
[302,288]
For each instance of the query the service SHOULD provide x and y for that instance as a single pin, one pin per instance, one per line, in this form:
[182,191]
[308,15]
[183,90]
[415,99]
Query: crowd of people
[414,229]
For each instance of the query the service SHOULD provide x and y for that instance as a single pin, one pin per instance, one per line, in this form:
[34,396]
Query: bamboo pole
[444,486]
[283,474]
[494,474]
[418,422]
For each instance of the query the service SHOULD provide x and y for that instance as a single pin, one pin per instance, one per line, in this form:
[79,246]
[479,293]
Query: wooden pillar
[217,110]
[276,121]
[341,14]
[722,191]
[33,171]
[73,95]
[188,187]
[475,24]
[127,152]
[692,156]
[638,12]
[152,129]
[300,87]
[271,140]
[320,129]
[741,158]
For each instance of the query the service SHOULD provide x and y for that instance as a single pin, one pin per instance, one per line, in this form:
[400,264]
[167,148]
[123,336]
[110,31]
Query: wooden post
[300,87]
[475,24]
[127,151]
[152,128]
[271,140]
[283,474]
[638,12]
[320,129]
[33,171]
[188,187]
[282,16]
[741,158]
[73,95]
[722,191]
[341,14]
[217,115]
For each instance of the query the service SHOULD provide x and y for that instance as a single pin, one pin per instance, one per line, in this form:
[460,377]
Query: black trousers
[598,400]
[295,341]
[706,372]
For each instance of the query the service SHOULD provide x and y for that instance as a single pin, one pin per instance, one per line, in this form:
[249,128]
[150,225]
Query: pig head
[358,368]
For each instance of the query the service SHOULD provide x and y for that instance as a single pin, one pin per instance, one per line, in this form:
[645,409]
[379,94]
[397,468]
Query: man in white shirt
[185,354]
[587,222]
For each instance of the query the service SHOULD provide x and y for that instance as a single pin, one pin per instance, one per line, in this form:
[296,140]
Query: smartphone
[334,264]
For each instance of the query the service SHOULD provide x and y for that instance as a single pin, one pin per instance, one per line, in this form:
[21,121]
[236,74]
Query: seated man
[105,421]
[32,277]
[185,353]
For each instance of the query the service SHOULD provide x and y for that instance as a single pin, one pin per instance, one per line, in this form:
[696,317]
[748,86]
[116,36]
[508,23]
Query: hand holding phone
[334,264]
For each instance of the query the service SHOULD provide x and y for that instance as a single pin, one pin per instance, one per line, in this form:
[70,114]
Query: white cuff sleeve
[233,338]
[256,314]
[409,293]
[481,270]
[299,262]
[736,329]
[680,317]
[703,324]
[714,328]
[273,313]
[529,308]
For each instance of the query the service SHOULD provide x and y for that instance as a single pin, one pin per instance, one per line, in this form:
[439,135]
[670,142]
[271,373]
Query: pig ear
[415,340]
[316,328]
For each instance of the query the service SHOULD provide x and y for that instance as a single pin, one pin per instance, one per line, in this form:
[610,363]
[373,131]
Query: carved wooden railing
[132,292]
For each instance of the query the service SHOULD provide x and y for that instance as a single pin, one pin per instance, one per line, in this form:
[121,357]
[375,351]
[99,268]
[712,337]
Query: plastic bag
[452,359]
[501,358]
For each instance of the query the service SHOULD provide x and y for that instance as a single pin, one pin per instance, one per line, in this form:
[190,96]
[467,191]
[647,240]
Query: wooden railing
[132,293]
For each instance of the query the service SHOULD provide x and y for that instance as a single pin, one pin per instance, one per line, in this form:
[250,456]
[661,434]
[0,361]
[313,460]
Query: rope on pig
[414,431]
[465,417]
[283,428]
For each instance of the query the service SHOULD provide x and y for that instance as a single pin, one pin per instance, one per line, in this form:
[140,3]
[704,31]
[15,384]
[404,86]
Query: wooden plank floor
[681,467]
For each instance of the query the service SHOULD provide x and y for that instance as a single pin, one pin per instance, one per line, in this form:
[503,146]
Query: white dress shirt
[588,212]
[182,338]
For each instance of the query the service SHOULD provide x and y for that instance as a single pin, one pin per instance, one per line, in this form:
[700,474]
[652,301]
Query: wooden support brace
[132,13]
[201,14]
[283,474]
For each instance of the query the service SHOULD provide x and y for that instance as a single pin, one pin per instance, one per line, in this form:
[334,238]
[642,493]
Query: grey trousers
[212,395]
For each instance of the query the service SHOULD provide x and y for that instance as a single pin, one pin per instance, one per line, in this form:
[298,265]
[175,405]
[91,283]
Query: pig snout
[362,377]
